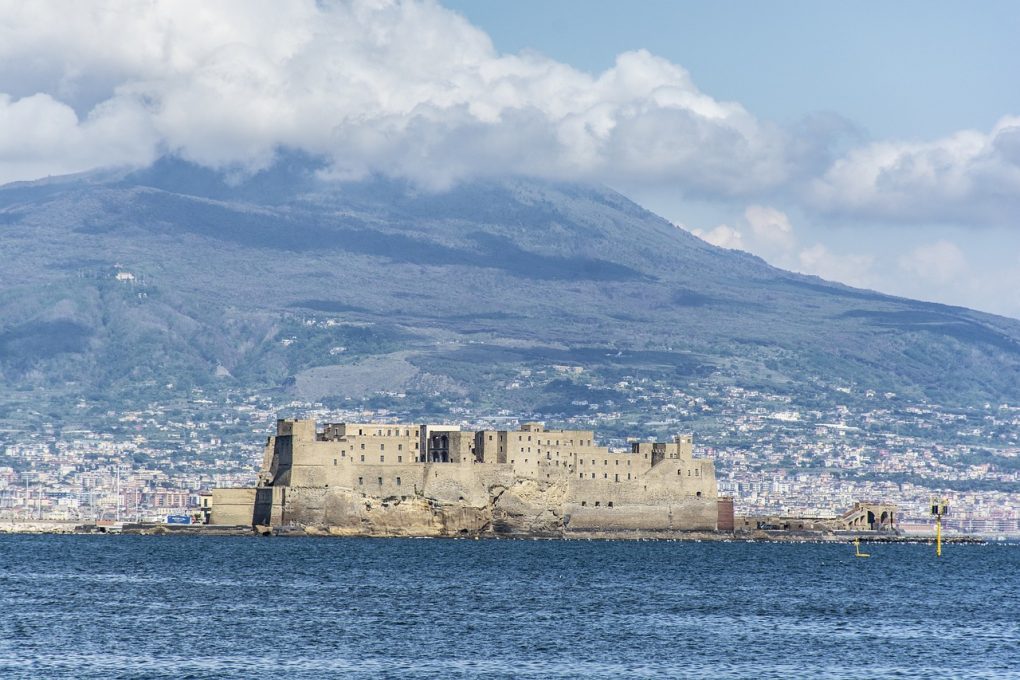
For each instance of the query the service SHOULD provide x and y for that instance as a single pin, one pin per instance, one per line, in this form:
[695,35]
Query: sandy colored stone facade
[434,480]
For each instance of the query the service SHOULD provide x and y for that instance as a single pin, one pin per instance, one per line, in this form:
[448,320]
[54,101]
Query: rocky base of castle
[524,508]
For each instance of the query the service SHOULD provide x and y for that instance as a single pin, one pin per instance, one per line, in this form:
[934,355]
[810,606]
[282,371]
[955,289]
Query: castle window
[363,446]
[361,481]
[400,459]
[581,476]
[699,496]
[593,475]
[688,473]
[592,461]
[616,478]
[378,433]
[387,433]
[360,432]
[511,462]
[610,503]
[678,472]
[380,481]
[605,475]
[697,472]
[584,503]
[596,504]
[334,461]
[628,475]
[362,458]
[382,447]
[398,481]
[400,447]
[617,461]
[605,462]
[382,459]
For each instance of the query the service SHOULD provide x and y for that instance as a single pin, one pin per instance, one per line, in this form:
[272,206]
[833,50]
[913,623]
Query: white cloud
[770,226]
[41,136]
[404,88]
[851,269]
[940,262]
[965,178]
[723,236]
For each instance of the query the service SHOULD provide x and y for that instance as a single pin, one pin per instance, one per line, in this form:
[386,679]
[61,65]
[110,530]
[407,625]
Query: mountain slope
[118,284]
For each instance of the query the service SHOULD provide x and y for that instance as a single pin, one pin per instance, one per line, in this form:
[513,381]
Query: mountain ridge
[255,281]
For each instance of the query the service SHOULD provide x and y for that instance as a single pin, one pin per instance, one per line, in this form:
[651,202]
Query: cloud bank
[412,90]
[402,88]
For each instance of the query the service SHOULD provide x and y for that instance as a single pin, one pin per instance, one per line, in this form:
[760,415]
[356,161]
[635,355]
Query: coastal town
[773,455]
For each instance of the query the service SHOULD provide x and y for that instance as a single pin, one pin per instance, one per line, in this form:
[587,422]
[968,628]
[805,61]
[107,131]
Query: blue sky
[904,71]
[872,143]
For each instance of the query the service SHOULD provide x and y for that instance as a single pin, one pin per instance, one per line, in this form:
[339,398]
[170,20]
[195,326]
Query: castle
[434,480]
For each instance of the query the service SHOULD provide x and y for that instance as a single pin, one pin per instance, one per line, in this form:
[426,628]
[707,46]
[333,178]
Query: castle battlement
[562,476]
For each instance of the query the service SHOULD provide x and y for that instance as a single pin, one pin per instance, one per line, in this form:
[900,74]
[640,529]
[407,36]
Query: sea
[235,607]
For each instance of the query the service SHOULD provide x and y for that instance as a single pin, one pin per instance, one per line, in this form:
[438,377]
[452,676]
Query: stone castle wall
[368,479]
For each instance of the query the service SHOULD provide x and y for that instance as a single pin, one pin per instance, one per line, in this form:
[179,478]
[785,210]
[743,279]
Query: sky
[872,143]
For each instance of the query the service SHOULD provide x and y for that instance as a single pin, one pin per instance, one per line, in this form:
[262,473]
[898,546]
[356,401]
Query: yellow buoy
[857,548]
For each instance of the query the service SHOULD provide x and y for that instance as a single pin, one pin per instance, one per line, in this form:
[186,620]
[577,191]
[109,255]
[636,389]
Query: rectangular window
[363,446]
[398,481]
[382,459]
[581,475]
[596,504]
[362,458]
[361,481]
[380,481]
[400,447]
[382,447]
[400,459]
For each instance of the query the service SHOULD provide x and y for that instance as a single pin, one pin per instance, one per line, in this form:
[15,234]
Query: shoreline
[39,527]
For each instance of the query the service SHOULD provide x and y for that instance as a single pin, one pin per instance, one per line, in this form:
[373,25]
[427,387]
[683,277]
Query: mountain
[117,286]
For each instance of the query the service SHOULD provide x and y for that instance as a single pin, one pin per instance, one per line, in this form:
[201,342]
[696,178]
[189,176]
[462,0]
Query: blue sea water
[208,607]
